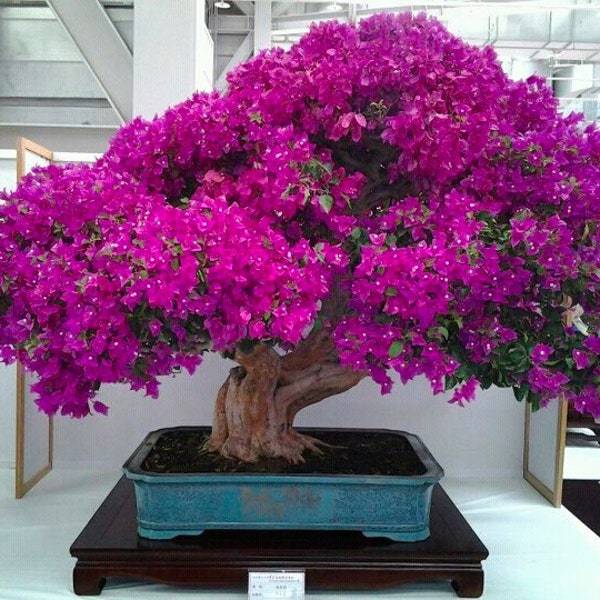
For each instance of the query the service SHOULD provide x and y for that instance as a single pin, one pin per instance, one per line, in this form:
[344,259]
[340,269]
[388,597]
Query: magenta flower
[465,392]
[541,353]
[382,181]
[592,343]
[581,359]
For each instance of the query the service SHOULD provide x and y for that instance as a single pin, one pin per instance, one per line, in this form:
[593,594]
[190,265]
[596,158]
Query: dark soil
[345,453]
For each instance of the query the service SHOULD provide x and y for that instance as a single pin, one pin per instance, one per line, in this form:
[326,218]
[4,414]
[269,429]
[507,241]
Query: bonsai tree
[381,197]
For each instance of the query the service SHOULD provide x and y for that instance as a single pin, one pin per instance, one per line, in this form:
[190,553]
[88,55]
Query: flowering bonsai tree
[381,197]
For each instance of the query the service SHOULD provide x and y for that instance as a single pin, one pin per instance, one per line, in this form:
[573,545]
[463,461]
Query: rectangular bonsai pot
[173,504]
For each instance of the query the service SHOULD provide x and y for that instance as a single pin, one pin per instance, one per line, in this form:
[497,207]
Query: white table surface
[536,551]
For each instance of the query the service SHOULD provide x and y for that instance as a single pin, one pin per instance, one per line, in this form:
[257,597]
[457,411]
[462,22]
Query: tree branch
[316,348]
[314,384]
[371,156]
[376,192]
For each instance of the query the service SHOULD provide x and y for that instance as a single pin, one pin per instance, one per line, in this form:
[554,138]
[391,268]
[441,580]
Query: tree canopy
[383,182]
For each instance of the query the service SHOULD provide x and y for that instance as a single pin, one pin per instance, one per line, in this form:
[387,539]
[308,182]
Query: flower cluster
[386,163]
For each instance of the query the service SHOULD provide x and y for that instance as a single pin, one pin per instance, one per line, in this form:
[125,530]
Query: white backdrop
[483,439]
[8,375]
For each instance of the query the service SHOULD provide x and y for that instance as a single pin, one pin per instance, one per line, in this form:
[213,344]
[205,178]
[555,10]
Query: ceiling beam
[243,53]
[102,49]
[246,7]
[280,8]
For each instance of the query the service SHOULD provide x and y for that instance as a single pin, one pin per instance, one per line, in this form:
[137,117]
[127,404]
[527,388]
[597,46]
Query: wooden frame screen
[34,429]
[544,450]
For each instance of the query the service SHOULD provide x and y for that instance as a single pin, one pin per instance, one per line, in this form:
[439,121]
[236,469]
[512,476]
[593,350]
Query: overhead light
[334,7]
[222,4]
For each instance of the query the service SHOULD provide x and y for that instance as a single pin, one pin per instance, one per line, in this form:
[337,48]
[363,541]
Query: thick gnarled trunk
[257,404]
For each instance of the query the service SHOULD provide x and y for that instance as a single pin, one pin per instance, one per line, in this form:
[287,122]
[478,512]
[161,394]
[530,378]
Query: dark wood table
[109,547]
[583,420]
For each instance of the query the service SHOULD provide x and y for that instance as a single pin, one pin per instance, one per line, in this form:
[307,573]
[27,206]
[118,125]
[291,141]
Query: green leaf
[166,337]
[463,372]
[391,291]
[290,189]
[318,324]
[326,202]
[501,379]
[356,233]
[521,392]
[246,346]
[450,383]
[458,320]
[139,368]
[396,348]
[486,380]
[319,250]
[315,168]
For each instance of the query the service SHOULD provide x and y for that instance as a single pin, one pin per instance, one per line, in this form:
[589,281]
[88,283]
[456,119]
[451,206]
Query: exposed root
[289,446]
[292,445]
[240,449]
[256,406]
[212,445]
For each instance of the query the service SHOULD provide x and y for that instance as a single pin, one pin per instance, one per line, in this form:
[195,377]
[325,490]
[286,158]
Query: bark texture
[256,406]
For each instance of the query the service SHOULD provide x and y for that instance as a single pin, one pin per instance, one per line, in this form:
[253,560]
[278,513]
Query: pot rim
[434,472]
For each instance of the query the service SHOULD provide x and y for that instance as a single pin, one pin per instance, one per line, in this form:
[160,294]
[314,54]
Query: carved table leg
[469,585]
[87,581]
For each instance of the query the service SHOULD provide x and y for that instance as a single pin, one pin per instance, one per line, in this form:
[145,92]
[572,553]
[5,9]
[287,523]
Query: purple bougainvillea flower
[541,353]
[581,359]
[381,180]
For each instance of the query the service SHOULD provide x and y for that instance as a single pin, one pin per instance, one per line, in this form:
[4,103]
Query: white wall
[108,441]
[8,169]
[8,375]
[8,415]
[483,439]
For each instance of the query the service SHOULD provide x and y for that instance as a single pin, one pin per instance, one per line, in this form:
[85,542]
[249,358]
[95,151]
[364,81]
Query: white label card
[276,585]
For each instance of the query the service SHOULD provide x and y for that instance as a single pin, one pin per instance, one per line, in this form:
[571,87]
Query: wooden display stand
[109,547]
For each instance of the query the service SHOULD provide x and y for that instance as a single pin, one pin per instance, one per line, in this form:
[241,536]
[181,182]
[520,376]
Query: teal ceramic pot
[173,504]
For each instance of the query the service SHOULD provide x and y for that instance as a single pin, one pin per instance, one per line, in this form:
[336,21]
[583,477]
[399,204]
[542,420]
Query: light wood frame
[24,481]
[554,496]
